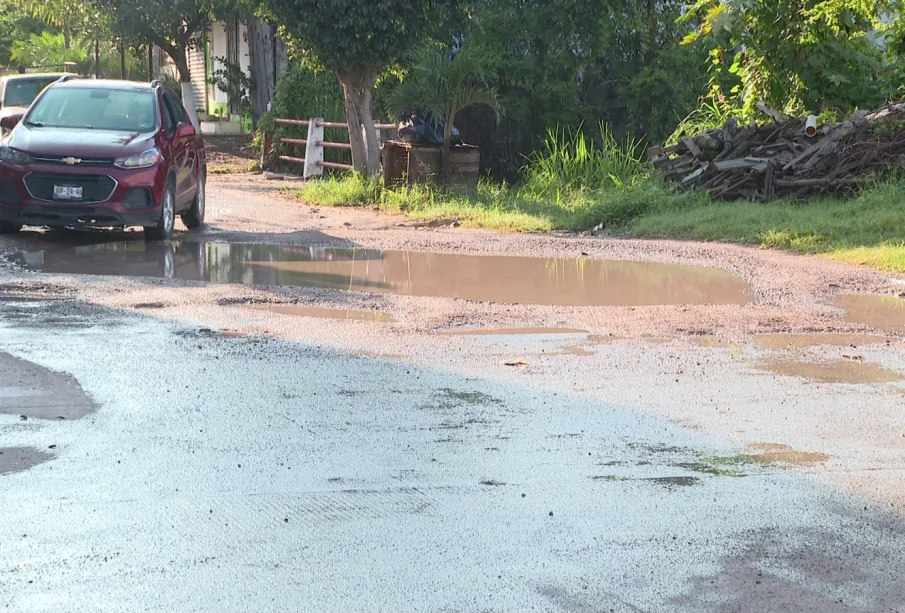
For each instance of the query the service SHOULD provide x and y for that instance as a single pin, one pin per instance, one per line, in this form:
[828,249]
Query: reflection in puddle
[802,341]
[881,312]
[839,371]
[17,459]
[506,279]
[508,331]
[321,313]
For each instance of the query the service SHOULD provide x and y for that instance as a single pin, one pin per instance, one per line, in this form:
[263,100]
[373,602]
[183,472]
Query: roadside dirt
[229,154]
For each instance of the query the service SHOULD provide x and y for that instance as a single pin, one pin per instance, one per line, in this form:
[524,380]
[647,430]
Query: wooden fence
[313,162]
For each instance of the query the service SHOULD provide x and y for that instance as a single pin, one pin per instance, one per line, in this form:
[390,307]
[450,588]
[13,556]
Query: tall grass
[572,161]
[573,183]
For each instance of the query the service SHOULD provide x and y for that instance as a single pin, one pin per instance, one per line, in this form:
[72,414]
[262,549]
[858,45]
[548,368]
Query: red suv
[92,153]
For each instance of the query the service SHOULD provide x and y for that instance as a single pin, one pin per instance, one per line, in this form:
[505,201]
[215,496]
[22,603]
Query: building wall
[218,49]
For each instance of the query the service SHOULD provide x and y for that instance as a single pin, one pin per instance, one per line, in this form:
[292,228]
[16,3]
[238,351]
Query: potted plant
[442,84]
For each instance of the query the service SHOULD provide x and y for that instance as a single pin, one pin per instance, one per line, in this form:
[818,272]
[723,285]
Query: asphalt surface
[166,447]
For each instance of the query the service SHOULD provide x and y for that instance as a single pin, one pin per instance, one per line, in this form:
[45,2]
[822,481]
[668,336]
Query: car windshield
[94,109]
[22,92]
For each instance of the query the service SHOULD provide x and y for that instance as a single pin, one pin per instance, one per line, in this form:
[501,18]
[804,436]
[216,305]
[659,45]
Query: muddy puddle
[836,371]
[885,313]
[775,453]
[508,331]
[320,313]
[551,281]
[17,459]
[804,341]
[32,391]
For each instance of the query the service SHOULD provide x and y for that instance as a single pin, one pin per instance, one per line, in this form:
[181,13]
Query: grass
[868,229]
[576,185]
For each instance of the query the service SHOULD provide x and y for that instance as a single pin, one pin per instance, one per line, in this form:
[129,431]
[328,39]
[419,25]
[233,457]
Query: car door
[182,150]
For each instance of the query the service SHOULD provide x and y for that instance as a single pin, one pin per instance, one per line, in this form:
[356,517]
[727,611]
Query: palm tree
[443,84]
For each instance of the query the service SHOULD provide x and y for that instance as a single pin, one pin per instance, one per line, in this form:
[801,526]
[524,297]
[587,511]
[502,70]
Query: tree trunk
[357,86]
[67,37]
[258,33]
[185,81]
[372,142]
[97,59]
[447,138]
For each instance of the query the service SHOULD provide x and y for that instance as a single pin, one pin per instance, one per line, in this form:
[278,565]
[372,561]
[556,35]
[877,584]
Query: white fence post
[314,153]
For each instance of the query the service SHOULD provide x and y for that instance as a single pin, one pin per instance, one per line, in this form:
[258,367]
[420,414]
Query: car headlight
[14,156]
[145,159]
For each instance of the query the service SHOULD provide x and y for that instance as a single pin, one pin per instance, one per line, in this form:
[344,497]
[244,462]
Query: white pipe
[810,126]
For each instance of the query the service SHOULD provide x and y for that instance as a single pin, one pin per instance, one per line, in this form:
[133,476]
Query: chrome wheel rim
[169,212]
[201,199]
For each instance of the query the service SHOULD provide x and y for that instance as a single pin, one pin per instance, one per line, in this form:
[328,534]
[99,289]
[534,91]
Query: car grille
[9,193]
[95,188]
[49,159]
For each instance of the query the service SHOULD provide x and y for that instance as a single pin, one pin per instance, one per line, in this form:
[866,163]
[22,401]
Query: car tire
[8,227]
[194,217]
[164,229]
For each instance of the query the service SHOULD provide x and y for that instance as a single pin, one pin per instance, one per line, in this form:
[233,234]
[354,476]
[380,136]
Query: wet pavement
[191,437]
[231,474]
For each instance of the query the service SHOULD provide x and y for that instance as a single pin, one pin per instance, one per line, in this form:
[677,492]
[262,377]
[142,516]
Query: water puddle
[803,341]
[33,391]
[838,371]
[508,331]
[712,342]
[320,313]
[774,453]
[881,312]
[17,459]
[553,281]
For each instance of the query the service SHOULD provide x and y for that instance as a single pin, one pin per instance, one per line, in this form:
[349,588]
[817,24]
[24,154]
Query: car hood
[79,143]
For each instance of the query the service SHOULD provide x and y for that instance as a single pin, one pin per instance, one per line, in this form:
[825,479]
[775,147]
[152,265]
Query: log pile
[786,157]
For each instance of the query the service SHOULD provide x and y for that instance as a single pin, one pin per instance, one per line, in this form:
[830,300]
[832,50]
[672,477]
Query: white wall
[218,48]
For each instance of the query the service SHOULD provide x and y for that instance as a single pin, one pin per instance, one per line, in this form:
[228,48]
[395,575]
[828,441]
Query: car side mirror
[185,130]
[10,121]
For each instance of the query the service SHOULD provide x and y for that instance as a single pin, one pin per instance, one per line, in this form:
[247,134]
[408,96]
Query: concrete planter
[221,127]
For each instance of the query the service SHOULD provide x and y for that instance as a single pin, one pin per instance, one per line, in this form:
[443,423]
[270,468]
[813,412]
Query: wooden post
[314,152]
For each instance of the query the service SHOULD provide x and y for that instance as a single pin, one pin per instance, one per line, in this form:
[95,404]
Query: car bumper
[94,216]
[20,205]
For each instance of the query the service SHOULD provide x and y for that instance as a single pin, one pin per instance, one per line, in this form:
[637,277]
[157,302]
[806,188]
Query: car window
[169,119]
[22,92]
[178,110]
[95,109]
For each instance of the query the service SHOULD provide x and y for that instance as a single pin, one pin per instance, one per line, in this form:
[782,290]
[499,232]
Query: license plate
[67,192]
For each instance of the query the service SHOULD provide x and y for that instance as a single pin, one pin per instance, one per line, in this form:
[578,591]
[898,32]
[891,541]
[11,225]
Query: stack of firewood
[786,157]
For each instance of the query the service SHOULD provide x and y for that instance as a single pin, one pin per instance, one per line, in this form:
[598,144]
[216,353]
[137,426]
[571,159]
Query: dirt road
[330,410]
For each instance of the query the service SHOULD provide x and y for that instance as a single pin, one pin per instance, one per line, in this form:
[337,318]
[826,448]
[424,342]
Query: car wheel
[164,228]
[8,227]
[194,217]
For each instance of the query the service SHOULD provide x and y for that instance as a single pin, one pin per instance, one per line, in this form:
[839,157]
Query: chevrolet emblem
[71,161]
